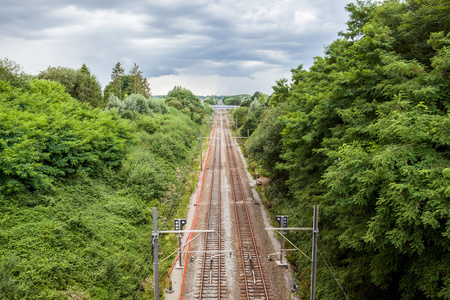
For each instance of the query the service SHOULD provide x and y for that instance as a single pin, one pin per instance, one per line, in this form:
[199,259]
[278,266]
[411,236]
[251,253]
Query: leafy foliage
[240,114]
[184,100]
[235,99]
[265,145]
[122,85]
[77,185]
[80,84]
[12,73]
[253,117]
[211,100]
[364,135]
[45,134]
[137,104]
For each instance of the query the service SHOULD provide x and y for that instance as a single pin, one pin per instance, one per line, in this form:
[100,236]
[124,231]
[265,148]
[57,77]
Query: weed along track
[227,264]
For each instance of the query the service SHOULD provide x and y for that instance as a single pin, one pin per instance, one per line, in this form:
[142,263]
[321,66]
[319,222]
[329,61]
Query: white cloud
[224,46]
[216,84]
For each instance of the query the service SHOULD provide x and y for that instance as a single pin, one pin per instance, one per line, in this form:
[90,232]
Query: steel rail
[212,264]
[243,223]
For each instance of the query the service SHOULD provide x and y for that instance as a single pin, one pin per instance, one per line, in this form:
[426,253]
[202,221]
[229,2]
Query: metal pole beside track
[201,152]
[248,151]
[155,252]
[314,251]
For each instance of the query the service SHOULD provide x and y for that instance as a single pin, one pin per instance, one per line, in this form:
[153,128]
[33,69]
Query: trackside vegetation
[77,185]
[365,133]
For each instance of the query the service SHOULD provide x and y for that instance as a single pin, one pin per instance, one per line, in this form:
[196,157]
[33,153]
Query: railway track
[211,282]
[252,278]
[211,278]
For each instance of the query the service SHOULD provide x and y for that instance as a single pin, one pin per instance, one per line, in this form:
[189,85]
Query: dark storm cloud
[172,37]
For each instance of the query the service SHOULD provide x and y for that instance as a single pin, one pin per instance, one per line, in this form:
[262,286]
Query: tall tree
[12,72]
[146,90]
[280,92]
[87,88]
[135,84]
[80,84]
[117,79]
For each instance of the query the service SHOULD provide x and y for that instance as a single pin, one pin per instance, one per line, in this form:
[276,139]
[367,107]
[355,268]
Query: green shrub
[46,134]
[143,174]
[158,106]
[10,286]
[147,124]
[137,103]
[115,102]
[175,103]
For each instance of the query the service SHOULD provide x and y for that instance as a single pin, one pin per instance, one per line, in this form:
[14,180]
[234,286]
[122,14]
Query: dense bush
[137,103]
[143,174]
[184,100]
[158,106]
[45,134]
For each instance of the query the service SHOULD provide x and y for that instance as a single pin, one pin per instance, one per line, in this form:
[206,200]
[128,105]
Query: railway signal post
[178,225]
[282,220]
[155,234]
[155,252]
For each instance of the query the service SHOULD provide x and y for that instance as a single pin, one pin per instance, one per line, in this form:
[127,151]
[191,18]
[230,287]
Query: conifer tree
[135,83]
[117,79]
[87,88]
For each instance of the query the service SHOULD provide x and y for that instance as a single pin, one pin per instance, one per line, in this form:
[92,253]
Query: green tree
[66,76]
[137,83]
[211,101]
[360,13]
[246,103]
[256,96]
[117,81]
[253,117]
[146,90]
[189,102]
[240,114]
[280,92]
[265,142]
[235,99]
[365,137]
[87,88]
[13,73]
[80,84]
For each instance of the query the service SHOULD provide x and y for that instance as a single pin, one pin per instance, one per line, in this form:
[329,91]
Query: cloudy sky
[208,46]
